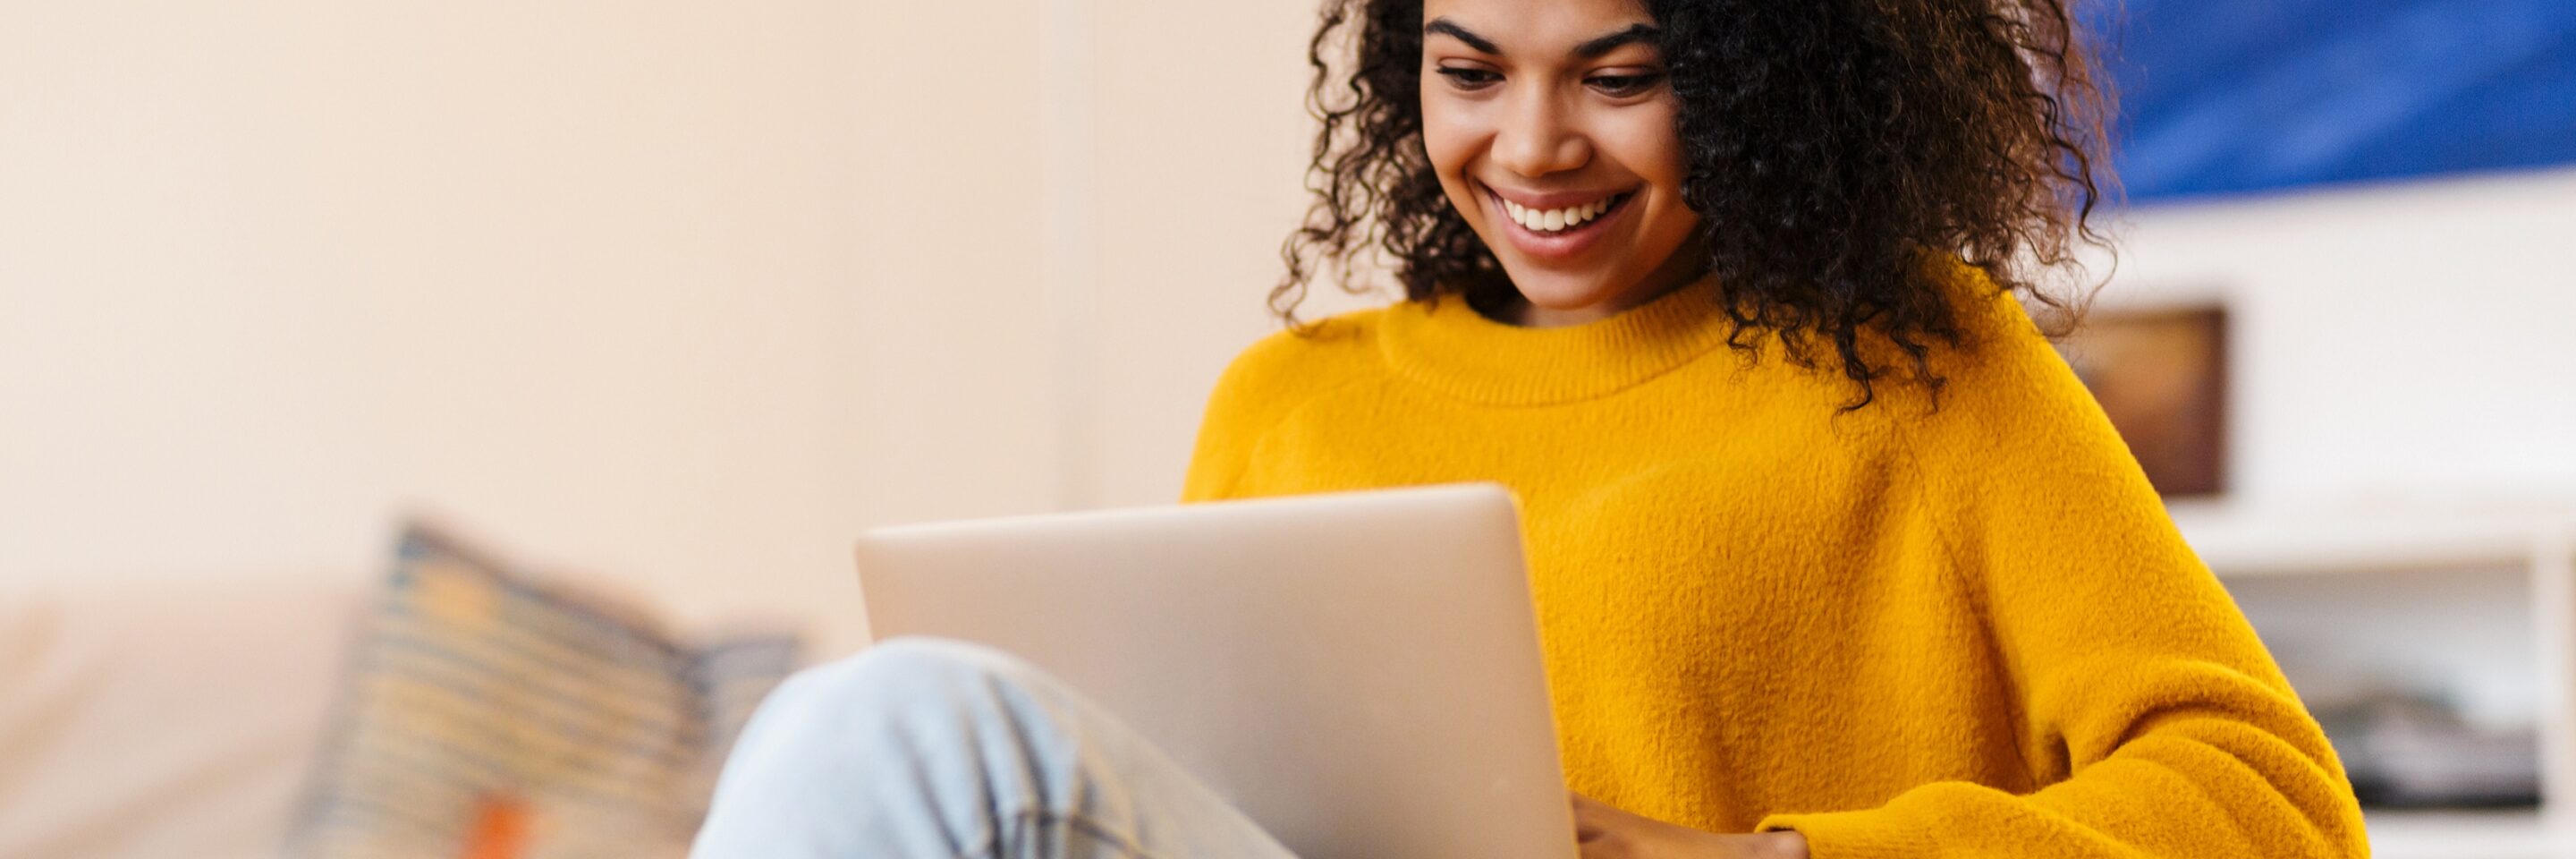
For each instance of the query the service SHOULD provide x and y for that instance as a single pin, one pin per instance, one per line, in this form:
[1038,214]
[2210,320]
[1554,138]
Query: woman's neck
[1511,308]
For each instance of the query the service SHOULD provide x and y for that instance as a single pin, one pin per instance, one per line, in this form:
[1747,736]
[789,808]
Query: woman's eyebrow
[1590,49]
[1593,49]
[1446,27]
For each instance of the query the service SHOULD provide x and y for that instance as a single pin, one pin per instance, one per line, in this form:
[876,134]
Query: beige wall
[1202,144]
[688,294]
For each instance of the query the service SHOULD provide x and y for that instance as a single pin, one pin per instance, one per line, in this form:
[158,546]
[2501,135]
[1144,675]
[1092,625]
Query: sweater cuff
[1874,833]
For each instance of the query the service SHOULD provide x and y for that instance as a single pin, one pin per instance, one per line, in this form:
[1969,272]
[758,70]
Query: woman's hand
[1608,833]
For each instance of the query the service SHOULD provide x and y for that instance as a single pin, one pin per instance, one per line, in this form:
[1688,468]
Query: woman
[1833,557]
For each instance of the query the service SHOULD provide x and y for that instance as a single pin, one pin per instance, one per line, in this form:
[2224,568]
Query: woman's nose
[1537,137]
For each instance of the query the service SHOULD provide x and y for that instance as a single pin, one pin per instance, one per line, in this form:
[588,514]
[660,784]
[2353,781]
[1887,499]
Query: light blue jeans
[931,749]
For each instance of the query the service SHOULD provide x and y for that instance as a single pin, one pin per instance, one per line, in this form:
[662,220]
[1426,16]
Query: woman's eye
[1464,78]
[1622,85]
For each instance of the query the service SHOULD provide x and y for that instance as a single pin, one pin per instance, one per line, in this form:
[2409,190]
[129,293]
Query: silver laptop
[1358,672]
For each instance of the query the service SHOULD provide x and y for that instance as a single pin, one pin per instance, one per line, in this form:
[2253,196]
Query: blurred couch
[163,718]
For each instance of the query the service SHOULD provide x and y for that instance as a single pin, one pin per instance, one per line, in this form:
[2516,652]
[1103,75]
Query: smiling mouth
[1553,222]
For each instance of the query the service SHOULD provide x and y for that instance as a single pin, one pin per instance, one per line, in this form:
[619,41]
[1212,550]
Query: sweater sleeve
[1267,378]
[1266,382]
[2152,717]
[1231,425]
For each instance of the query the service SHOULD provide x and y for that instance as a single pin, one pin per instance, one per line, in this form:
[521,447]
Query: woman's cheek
[1450,143]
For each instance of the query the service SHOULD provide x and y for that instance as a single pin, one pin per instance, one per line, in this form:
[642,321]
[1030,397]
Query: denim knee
[908,679]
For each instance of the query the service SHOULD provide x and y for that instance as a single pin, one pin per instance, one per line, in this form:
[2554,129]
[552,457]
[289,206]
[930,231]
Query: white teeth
[1553,220]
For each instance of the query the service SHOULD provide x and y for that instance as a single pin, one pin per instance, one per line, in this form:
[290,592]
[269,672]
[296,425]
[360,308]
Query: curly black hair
[1830,145]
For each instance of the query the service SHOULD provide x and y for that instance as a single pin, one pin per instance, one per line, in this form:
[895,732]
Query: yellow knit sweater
[1901,632]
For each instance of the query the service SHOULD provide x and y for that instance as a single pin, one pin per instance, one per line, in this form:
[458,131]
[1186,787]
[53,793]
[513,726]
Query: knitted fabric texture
[1901,631]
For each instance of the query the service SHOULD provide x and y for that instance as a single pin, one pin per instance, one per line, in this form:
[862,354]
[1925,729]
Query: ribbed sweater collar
[1448,345]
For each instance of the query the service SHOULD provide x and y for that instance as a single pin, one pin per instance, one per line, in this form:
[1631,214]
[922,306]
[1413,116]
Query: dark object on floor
[2413,751]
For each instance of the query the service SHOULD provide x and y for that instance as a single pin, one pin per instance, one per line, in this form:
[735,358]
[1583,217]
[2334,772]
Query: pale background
[685,295]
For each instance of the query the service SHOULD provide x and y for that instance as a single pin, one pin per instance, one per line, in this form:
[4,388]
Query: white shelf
[2237,543]
[2520,834]
[2263,551]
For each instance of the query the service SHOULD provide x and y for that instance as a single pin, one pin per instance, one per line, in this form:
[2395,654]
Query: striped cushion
[483,705]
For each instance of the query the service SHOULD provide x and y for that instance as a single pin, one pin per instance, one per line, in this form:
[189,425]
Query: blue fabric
[2229,96]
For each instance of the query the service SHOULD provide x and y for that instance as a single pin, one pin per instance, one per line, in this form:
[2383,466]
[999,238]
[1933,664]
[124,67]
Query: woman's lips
[1559,244]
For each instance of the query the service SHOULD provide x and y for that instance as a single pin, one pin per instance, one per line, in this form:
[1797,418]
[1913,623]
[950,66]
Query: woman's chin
[1553,298]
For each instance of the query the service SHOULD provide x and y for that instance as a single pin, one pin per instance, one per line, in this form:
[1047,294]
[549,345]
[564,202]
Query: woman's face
[1552,129]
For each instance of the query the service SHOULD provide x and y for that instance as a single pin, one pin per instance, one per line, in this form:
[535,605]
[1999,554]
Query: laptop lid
[1358,672]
